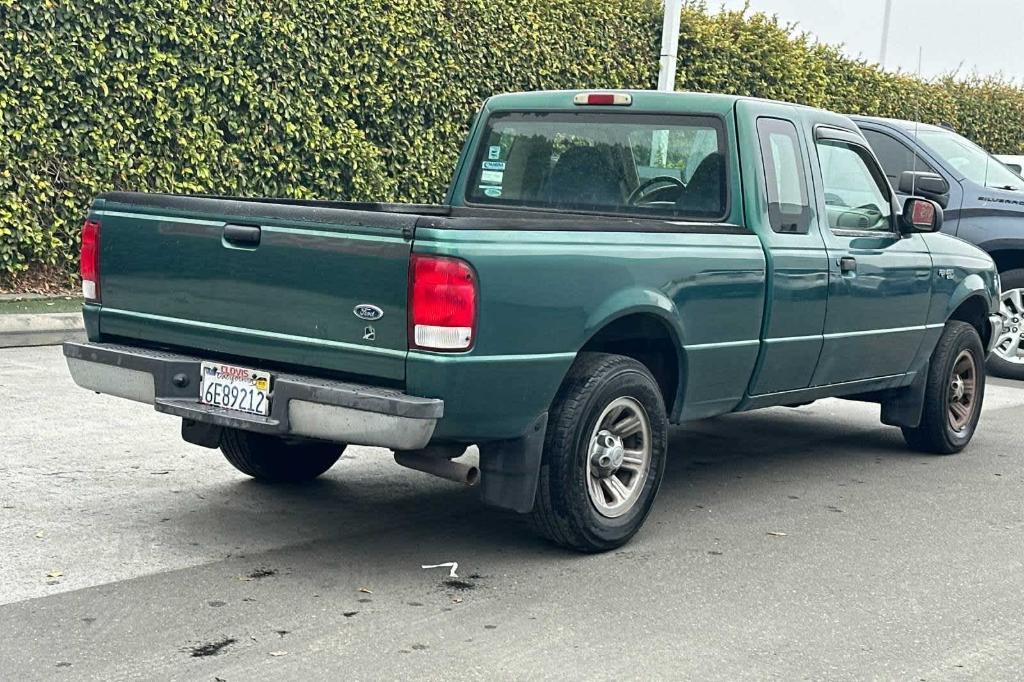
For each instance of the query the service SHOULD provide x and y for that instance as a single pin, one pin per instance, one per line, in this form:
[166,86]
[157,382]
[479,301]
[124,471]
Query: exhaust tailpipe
[434,461]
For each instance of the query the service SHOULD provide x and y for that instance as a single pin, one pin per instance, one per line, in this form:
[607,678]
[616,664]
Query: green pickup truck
[606,264]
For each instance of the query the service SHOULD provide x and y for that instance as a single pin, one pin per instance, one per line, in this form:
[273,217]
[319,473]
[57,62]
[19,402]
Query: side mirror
[1016,168]
[925,184]
[920,215]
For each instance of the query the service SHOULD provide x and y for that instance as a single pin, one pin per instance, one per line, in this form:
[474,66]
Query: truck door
[782,212]
[879,280]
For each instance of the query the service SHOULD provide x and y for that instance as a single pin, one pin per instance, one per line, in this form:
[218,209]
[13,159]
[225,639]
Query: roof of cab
[643,100]
[895,123]
[649,101]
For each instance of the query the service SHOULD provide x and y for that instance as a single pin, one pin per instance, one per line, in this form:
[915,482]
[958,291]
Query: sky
[972,36]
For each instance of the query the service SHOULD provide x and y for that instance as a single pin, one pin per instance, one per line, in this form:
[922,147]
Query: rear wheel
[604,454]
[954,393]
[1007,358]
[276,460]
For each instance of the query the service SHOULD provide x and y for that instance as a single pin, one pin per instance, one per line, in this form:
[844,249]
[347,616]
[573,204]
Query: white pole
[885,32]
[669,45]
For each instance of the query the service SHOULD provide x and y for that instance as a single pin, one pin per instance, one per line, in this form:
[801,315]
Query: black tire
[936,434]
[563,511]
[1011,279]
[275,460]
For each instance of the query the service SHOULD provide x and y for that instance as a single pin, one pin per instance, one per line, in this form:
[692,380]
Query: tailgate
[292,282]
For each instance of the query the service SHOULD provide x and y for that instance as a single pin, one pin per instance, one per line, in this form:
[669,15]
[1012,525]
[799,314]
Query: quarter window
[856,194]
[788,208]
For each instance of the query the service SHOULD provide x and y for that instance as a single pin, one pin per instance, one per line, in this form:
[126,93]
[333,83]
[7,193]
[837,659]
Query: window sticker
[494,192]
[493,165]
[493,177]
[494,152]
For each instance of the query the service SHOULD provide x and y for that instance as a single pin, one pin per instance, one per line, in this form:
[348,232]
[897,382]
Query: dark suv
[984,205]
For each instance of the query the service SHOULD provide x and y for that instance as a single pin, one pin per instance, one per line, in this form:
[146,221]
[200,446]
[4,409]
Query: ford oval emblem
[365,311]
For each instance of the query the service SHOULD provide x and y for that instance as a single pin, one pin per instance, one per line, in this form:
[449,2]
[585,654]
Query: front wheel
[275,460]
[604,454]
[953,394]
[1007,358]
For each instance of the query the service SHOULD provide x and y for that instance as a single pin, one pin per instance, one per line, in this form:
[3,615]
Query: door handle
[242,235]
[847,264]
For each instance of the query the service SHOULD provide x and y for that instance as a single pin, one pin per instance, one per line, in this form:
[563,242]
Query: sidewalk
[26,321]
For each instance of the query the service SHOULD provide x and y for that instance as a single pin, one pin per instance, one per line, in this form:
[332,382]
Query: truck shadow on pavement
[360,511]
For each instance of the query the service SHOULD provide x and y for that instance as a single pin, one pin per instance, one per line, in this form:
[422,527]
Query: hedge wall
[359,99]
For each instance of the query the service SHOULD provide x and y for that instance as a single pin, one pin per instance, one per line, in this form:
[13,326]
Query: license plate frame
[235,388]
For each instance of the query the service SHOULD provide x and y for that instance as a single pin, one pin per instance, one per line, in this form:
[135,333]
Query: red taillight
[90,262]
[442,303]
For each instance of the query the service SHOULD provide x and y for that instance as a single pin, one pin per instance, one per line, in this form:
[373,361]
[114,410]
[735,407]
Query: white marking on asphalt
[454,565]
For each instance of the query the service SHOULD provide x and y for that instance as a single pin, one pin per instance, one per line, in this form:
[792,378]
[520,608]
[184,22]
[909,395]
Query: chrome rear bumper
[300,405]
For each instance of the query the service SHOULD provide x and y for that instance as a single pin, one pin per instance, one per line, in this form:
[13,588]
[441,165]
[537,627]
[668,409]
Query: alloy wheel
[1010,344]
[619,457]
[962,391]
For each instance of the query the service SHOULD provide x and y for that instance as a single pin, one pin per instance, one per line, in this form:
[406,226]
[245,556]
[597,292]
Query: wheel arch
[971,303]
[651,335]
[1008,254]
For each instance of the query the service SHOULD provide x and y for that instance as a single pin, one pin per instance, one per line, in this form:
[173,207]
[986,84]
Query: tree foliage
[361,99]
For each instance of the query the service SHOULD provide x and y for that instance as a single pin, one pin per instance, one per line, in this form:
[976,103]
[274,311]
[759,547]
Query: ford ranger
[605,264]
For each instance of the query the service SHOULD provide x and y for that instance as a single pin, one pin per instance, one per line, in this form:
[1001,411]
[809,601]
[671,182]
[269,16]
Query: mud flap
[906,406]
[510,469]
[200,433]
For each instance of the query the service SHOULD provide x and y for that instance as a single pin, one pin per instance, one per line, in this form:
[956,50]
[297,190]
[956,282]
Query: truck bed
[277,280]
[172,278]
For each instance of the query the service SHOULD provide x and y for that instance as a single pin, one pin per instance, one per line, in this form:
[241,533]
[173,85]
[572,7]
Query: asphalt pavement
[802,543]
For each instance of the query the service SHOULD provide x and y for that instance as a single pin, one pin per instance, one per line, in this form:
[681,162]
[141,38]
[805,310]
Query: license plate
[235,388]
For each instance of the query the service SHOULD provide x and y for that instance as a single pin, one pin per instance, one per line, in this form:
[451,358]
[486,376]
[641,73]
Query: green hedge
[359,99]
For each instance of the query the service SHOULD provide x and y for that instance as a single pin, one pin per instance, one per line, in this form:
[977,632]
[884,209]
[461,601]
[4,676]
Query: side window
[856,194]
[895,156]
[788,208]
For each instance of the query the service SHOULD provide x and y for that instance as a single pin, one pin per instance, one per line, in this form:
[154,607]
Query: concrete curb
[40,329]
[25,297]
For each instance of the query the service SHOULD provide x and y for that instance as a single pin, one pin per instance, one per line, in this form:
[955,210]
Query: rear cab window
[672,166]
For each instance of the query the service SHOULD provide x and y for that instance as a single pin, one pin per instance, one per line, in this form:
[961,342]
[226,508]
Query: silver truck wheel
[604,454]
[1007,358]
[1010,345]
[620,456]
